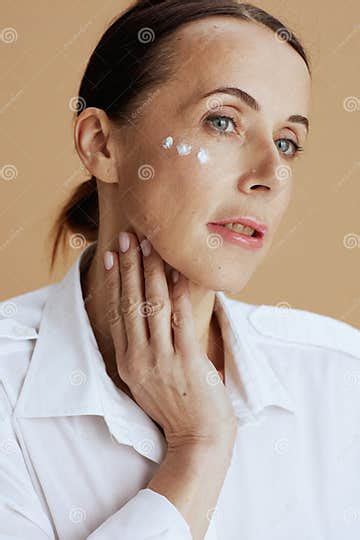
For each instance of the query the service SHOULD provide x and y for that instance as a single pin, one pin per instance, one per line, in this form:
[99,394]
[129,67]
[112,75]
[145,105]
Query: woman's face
[226,158]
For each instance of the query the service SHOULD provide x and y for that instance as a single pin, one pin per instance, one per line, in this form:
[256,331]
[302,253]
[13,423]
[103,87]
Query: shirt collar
[250,380]
[67,374]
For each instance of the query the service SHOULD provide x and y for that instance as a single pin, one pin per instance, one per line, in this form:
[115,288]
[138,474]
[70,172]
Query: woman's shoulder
[20,315]
[285,324]
[306,327]
[20,318]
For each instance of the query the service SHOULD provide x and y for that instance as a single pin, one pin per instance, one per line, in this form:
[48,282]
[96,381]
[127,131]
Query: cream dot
[202,155]
[168,142]
[183,149]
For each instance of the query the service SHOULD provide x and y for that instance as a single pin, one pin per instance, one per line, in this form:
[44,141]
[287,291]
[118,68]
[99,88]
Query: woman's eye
[222,122]
[295,146]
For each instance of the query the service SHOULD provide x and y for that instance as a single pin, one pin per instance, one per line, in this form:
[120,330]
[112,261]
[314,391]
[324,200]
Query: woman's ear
[95,145]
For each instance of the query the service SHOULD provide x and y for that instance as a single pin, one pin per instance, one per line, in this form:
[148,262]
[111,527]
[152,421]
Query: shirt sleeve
[147,516]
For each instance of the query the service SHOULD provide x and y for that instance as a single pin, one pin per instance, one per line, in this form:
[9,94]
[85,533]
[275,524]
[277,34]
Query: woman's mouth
[243,236]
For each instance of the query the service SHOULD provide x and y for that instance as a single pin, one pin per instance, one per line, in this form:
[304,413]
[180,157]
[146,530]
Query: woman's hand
[157,352]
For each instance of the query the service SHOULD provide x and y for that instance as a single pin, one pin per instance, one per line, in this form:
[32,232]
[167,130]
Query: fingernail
[108,260]
[175,276]
[124,241]
[145,247]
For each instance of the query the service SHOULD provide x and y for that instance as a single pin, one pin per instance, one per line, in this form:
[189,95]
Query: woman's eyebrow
[251,102]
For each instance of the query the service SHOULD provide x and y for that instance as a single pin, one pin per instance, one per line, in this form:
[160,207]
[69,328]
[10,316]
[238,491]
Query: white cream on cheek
[202,155]
[184,149]
[168,142]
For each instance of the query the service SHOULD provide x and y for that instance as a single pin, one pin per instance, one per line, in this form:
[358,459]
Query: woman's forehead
[246,41]
[223,51]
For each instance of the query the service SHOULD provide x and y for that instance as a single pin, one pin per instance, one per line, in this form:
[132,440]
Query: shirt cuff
[147,515]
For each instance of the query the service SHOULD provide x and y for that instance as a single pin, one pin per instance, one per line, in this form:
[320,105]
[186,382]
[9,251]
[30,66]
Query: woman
[138,402]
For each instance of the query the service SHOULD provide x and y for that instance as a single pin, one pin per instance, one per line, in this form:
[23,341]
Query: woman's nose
[265,170]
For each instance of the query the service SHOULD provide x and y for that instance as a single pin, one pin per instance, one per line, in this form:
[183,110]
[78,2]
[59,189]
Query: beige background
[315,259]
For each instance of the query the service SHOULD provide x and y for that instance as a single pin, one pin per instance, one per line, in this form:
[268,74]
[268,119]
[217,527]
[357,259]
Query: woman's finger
[157,300]
[182,321]
[132,291]
[113,288]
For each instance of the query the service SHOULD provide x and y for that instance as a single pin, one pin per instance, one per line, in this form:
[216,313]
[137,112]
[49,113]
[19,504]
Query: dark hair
[134,55]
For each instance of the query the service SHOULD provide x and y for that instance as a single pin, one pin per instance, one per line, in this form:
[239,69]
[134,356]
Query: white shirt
[76,453]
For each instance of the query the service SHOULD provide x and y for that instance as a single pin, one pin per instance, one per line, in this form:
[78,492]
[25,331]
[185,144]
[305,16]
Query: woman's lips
[239,239]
